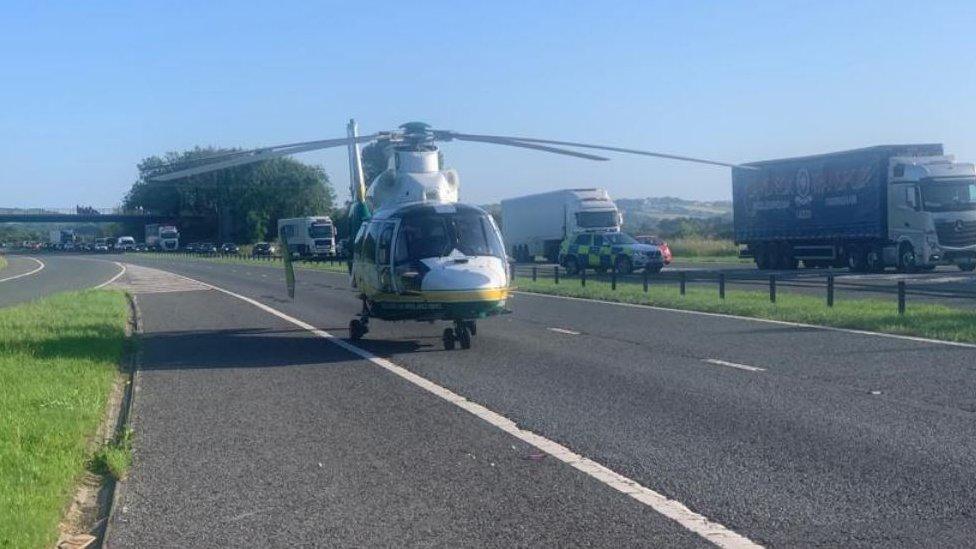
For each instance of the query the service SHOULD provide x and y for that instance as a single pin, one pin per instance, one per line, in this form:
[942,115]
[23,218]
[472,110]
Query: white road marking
[114,278]
[753,319]
[40,267]
[563,331]
[674,510]
[733,365]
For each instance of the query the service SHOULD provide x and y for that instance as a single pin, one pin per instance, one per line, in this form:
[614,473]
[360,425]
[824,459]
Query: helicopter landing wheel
[463,333]
[357,329]
[448,339]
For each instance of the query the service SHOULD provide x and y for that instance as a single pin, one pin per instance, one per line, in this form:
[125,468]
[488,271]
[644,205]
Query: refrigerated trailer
[535,225]
[904,206]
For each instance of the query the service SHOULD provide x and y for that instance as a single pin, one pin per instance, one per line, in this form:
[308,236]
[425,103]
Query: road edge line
[696,523]
[114,278]
[21,275]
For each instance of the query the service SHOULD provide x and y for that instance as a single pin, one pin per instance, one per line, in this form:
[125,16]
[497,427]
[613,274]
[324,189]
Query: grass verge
[114,458]
[3,262]
[703,247]
[58,360]
[876,315]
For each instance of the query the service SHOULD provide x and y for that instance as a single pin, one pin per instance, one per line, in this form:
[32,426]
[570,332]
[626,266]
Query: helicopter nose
[474,274]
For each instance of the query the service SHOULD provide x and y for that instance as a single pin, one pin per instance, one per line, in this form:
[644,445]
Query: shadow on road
[260,348]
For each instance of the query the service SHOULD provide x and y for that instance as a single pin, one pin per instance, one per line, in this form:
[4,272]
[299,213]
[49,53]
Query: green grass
[876,315]
[114,458]
[702,247]
[337,266]
[59,357]
[3,262]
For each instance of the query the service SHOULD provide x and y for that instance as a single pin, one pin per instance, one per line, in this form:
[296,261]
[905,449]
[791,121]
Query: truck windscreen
[590,220]
[949,195]
[320,231]
[169,234]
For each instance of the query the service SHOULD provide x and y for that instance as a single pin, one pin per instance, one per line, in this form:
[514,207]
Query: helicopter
[417,252]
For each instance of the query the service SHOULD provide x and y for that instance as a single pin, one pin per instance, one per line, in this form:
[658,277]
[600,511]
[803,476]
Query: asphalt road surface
[31,277]
[252,430]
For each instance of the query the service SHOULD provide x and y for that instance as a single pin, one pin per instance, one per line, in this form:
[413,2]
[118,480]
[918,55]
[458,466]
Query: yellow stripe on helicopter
[445,296]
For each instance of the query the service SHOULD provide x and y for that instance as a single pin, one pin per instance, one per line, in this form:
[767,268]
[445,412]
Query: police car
[605,251]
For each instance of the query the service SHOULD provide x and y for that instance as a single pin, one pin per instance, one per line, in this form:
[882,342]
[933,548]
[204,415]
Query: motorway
[253,429]
[31,277]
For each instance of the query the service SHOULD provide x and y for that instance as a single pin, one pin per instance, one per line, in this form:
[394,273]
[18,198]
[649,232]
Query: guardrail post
[645,280]
[901,297]
[555,274]
[681,280]
[511,268]
[583,276]
[721,285]
[613,277]
[830,290]
[534,276]
[772,288]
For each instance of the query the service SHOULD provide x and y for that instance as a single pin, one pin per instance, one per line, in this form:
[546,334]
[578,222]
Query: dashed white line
[745,367]
[40,267]
[564,331]
[674,510]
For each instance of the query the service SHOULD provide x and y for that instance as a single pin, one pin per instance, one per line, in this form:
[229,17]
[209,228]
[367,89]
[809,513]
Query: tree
[244,201]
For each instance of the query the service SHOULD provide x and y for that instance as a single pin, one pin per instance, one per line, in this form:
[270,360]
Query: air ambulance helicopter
[418,253]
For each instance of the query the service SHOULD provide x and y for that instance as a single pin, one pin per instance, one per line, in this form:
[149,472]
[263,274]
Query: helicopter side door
[384,257]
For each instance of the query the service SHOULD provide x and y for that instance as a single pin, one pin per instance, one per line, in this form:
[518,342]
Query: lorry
[308,237]
[62,239]
[165,238]
[537,224]
[125,244]
[904,206]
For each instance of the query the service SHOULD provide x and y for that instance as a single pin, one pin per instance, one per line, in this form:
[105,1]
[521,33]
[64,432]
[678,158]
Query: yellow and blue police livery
[605,251]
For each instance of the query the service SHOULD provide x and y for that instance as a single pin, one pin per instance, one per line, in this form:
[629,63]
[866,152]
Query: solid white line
[753,319]
[38,269]
[114,278]
[733,365]
[564,331]
[675,510]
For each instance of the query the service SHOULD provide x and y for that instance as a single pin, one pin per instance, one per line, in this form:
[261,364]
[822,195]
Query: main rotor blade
[240,158]
[602,148]
[511,142]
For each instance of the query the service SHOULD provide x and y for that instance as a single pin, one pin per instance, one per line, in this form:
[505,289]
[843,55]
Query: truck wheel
[906,258]
[624,266]
[571,264]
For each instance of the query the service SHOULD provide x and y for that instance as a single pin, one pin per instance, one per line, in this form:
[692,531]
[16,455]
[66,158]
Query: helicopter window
[369,243]
[438,234]
[357,245]
[383,245]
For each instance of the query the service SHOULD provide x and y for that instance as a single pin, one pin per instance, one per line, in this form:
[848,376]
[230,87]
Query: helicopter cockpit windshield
[434,233]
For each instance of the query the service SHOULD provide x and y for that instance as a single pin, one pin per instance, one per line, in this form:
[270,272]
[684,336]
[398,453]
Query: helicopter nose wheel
[357,329]
[460,334]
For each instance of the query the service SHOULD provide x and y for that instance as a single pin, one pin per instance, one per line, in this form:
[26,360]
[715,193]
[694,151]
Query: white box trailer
[535,225]
[308,236]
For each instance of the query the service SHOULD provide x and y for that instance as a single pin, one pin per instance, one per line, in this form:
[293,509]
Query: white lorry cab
[308,236]
[537,224]
[125,244]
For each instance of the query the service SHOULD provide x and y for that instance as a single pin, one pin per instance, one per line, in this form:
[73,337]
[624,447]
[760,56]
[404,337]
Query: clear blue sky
[90,88]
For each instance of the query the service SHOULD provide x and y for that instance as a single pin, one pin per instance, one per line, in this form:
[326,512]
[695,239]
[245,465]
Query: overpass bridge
[88,215]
